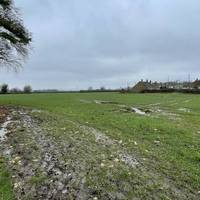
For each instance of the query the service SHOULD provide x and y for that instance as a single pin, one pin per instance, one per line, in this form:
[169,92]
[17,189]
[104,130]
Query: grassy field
[6,192]
[166,138]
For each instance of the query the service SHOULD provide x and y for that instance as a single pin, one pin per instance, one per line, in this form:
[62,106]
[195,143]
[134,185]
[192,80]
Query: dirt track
[78,164]
[43,168]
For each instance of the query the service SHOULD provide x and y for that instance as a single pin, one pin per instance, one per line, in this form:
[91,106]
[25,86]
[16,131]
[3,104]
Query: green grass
[177,156]
[6,192]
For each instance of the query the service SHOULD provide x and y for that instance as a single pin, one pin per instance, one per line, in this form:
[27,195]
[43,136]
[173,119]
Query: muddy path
[56,160]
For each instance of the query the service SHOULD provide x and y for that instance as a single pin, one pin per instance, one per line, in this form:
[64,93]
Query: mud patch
[39,170]
[47,165]
[135,110]
[123,108]
[98,102]
[129,160]
[157,112]
[105,102]
[4,121]
[99,136]
[43,168]
[170,115]
[36,111]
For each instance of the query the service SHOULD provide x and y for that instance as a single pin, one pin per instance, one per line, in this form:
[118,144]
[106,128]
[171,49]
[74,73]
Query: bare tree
[14,37]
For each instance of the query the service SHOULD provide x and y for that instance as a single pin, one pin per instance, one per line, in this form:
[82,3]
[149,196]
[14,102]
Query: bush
[27,89]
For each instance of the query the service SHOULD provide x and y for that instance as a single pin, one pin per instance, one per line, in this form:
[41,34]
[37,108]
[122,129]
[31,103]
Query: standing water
[3,129]
[138,111]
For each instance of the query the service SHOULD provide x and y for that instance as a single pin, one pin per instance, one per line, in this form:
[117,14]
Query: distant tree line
[4,89]
[101,89]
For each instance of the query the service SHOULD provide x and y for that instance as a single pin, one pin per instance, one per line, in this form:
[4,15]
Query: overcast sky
[112,43]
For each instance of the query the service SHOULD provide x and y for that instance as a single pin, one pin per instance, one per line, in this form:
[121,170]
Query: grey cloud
[111,42]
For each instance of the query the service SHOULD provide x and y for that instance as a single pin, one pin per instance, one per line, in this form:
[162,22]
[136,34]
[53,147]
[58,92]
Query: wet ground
[51,159]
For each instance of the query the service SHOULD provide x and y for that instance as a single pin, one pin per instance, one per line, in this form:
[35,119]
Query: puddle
[138,111]
[105,102]
[124,107]
[3,129]
[98,101]
[134,110]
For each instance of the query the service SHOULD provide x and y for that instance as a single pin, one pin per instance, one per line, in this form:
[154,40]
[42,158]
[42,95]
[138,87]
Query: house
[146,85]
[196,84]
[169,86]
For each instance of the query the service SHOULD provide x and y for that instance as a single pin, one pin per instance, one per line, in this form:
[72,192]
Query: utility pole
[168,84]
[189,77]
[189,80]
